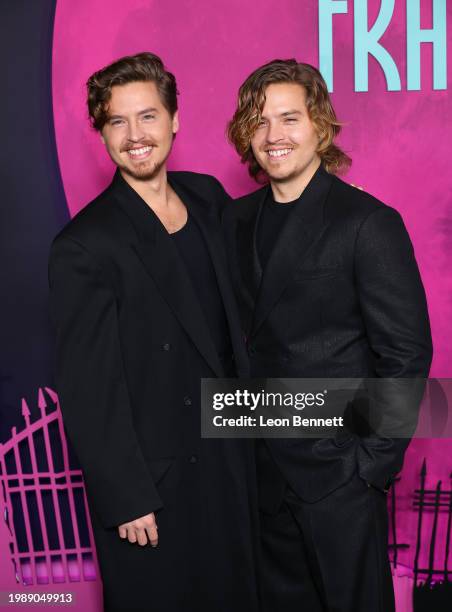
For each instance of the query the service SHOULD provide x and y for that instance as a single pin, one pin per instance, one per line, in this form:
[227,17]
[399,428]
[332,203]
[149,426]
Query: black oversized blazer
[132,341]
[341,297]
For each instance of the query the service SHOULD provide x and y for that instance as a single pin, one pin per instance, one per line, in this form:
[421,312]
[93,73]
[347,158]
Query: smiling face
[285,141]
[139,131]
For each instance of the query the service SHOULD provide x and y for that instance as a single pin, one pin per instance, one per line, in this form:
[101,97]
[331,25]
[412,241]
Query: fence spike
[431,556]
[419,520]
[52,394]
[25,411]
[424,468]
[41,400]
[393,517]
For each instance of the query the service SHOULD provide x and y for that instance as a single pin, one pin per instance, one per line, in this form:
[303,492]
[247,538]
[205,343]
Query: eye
[290,120]
[148,117]
[115,122]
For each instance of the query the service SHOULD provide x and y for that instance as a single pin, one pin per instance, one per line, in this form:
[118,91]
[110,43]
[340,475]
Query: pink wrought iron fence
[44,501]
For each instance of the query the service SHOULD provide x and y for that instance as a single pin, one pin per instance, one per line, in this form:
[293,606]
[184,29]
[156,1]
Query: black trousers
[328,556]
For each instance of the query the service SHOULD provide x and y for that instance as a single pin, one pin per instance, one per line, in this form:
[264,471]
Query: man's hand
[140,530]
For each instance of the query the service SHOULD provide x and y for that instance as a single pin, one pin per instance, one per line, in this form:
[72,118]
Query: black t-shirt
[196,257]
[273,216]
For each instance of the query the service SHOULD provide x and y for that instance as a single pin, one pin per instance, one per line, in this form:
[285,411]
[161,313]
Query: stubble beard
[142,173]
[291,175]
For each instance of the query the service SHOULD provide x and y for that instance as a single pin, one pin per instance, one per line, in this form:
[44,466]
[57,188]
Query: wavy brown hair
[129,69]
[251,100]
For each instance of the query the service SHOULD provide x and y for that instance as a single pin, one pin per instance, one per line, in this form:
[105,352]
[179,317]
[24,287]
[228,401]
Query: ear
[102,137]
[175,122]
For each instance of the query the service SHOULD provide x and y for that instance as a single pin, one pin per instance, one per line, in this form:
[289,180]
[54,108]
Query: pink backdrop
[399,141]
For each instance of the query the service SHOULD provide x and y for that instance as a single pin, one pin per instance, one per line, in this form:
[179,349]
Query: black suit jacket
[132,346]
[340,297]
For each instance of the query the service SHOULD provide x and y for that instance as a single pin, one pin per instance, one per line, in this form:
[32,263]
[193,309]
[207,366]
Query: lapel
[162,261]
[204,212]
[303,228]
[250,266]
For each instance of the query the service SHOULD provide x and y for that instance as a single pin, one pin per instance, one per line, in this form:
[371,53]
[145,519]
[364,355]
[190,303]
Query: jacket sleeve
[92,387]
[394,310]
[392,297]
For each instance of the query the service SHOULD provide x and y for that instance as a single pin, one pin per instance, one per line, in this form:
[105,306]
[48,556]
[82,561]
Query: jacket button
[193,459]
[166,346]
[187,400]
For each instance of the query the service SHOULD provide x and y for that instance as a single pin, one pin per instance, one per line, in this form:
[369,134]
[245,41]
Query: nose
[135,132]
[275,133]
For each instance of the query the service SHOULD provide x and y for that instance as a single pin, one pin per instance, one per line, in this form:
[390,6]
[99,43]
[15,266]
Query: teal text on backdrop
[367,42]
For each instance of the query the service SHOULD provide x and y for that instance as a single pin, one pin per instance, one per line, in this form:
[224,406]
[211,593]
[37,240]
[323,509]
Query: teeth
[279,152]
[139,151]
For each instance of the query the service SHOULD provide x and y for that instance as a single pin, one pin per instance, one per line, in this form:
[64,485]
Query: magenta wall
[399,140]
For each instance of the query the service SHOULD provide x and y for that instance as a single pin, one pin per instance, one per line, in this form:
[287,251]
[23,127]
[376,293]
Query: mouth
[139,153]
[278,154]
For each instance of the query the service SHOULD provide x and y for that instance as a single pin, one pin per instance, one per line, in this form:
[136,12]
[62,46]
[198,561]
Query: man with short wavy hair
[143,309]
[328,288]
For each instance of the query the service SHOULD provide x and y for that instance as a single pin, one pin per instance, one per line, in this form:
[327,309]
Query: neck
[155,189]
[290,190]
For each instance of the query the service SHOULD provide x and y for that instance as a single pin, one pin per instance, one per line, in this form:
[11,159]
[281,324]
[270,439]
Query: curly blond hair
[250,104]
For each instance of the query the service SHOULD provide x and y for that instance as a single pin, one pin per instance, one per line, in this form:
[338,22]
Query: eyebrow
[148,110]
[142,112]
[286,114]
[291,112]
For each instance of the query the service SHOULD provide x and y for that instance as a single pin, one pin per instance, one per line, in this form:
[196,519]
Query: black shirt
[273,216]
[196,257]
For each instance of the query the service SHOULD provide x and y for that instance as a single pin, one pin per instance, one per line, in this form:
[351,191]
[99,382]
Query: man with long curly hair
[328,287]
